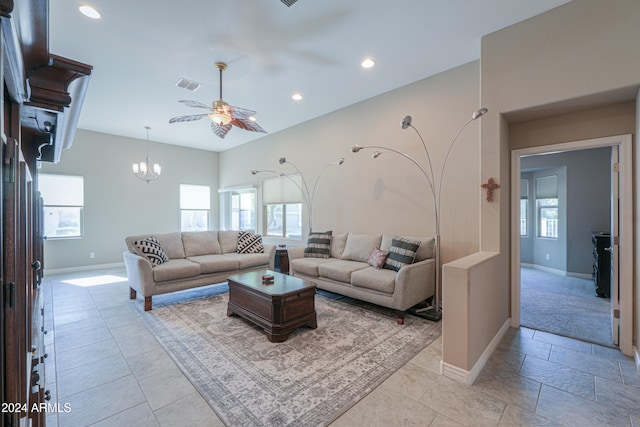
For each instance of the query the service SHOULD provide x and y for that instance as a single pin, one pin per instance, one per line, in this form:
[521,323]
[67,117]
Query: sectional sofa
[162,263]
[348,270]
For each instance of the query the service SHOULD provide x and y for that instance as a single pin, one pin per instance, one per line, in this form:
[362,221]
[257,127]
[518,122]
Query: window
[524,206]
[282,207]
[63,197]
[238,209]
[195,203]
[283,220]
[547,206]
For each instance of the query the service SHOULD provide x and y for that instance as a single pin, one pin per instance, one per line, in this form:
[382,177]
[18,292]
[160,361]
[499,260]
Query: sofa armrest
[139,273]
[295,253]
[416,282]
[271,251]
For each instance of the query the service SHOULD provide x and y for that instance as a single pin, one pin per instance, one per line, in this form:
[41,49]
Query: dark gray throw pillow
[318,245]
[402,252]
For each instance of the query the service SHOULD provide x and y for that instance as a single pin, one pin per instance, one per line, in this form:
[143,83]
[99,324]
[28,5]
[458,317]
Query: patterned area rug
[308,380]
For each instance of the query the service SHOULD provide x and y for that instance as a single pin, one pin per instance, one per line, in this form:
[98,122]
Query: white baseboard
[83,268]
[636,357]
[586,276]
[469,377]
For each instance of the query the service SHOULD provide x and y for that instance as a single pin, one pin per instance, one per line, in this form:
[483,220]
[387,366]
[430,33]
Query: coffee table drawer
[298,305]
[253,302]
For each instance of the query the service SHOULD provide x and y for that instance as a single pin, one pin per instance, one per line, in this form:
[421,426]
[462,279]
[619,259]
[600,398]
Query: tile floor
[108,369]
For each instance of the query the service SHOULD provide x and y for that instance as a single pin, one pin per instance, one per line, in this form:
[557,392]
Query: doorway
[622,251]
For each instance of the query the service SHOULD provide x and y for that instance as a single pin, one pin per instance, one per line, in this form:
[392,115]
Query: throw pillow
[402,252]
[153,250]
[318,245]
[377,258]
[249,243]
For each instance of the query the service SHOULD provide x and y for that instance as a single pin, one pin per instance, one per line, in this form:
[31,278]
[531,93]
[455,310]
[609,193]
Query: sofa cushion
[228,241]
[425,251]
[377,258]
[402,252]
[378,280]
[172,243]
[250,260]
[318,245]
[249,243]
[200,243]
[151,249]
[215,263]
[340,270]
[359,246]
[338,242]
[309,266]
[176,269]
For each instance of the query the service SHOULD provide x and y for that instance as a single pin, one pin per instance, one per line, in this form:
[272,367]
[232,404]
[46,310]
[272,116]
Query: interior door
[613,248]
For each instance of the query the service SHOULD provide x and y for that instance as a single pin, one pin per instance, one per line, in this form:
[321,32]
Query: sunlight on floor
[95,280]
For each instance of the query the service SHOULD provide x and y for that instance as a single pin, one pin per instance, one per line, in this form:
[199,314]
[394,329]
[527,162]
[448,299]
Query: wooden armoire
[41,95]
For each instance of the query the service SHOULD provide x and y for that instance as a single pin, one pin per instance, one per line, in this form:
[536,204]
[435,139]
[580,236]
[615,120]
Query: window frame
[42,178]
[228,213]
[192,209]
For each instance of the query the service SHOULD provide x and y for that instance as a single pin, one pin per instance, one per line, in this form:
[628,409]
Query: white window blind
[61,190]
[281,190]
[195,197]
[547,187]
[524,188]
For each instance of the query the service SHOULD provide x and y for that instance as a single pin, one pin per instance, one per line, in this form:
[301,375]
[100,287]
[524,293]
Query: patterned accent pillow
[153,250]
[318,245]
[402,252]
[377,258]
[249,243]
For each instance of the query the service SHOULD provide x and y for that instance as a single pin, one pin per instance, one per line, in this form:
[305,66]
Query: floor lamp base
[428,312]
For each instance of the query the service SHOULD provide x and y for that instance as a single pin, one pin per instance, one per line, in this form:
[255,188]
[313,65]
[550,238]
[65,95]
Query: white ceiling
[140,48]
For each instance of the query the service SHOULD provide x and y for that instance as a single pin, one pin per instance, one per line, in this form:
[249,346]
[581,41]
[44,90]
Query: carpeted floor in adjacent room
[563,305]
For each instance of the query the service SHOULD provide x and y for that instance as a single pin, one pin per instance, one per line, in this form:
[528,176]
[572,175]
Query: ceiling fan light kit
[223,116]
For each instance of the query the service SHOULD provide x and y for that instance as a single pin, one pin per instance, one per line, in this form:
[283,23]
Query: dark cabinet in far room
[601,263]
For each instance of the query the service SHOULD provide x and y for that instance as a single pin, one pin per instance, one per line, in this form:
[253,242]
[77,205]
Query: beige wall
[388,194]
[636,221]
[577,56]
[116,204]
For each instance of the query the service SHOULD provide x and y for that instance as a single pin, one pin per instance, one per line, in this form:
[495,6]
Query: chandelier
[144,170]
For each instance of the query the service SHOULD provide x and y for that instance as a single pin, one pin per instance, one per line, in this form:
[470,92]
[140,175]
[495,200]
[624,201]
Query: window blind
[281,190]
[524,189]
[547,187]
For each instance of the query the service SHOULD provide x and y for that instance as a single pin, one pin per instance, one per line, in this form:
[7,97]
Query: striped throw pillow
[402,252]
[249,243]
[318,245]
[153,250]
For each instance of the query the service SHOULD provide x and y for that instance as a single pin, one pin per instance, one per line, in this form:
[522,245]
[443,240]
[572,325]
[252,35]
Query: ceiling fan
[223,116]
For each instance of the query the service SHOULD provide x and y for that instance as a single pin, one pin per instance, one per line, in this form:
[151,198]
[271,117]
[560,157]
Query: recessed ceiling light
[89,11]
[368,63]
[296,97]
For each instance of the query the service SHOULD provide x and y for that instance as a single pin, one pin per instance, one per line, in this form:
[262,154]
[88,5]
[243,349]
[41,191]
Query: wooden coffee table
[278,307]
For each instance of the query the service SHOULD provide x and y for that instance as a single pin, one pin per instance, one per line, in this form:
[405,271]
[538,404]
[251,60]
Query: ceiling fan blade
[221,131]
[195,104]
[241,113]
[187,118]
[247,124]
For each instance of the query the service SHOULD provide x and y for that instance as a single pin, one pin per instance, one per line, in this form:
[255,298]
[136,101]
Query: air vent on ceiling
[188,84]
[288,2]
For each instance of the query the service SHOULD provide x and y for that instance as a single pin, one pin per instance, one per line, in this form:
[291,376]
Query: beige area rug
[309,380]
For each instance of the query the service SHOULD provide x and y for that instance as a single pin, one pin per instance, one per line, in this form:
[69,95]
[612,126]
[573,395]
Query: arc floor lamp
[435,187]
[308,194]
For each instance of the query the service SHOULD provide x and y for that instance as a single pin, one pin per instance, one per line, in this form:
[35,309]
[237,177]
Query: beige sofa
[194,259]
[348,273]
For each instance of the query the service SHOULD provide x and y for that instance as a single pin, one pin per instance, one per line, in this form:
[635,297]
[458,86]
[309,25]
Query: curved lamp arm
[356,148]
